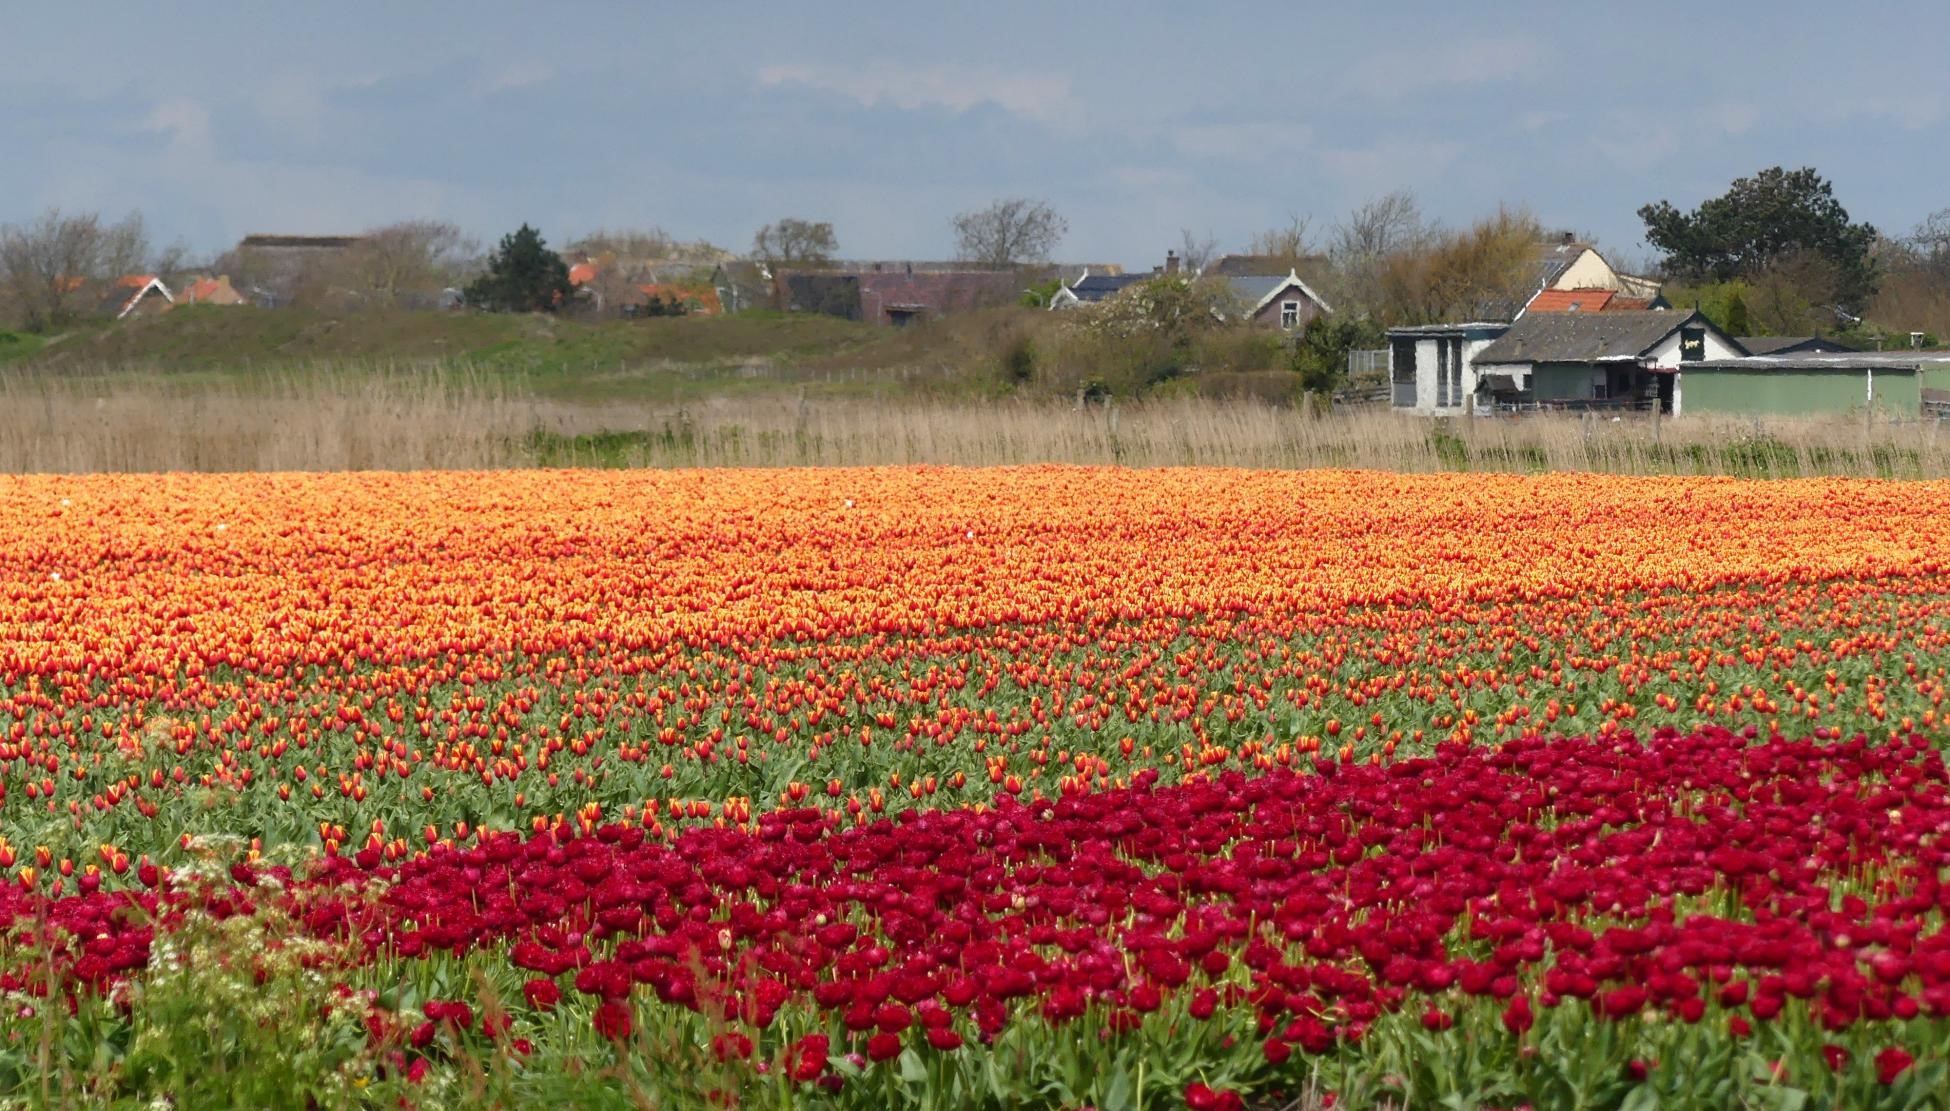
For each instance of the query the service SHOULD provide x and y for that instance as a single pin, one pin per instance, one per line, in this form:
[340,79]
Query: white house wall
[1425,374]
[1667,353]
[1589,271]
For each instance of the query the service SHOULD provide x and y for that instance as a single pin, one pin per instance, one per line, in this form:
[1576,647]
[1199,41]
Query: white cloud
[1399,72]
[909,87]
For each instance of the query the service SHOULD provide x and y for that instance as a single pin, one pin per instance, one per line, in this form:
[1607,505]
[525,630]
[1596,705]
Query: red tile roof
[582,273]
[1573,300]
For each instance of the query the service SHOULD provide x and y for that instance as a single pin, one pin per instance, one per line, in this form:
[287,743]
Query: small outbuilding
[1892,383]
[1431,367]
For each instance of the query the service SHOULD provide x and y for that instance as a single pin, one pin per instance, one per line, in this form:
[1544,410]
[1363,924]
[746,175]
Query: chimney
[1171,262]
[1570,237]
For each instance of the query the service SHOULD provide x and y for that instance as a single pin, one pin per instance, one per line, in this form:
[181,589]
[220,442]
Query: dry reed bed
[406,421]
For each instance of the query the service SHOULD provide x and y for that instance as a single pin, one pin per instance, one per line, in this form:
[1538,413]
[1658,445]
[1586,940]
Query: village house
[135,295]
[1593,360]
[1090,288]
[1278,301]
[1592,300]
[1567,263]
[1267,296]
[210,291]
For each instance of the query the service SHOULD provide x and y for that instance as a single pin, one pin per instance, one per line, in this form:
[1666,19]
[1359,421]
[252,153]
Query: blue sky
[1135,119]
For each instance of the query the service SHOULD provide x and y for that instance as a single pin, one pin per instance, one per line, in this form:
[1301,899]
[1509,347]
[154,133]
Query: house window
[1290,314]
[1442,374]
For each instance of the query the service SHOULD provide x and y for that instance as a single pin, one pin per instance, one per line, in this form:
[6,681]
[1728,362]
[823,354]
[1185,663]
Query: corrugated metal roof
[1832,360]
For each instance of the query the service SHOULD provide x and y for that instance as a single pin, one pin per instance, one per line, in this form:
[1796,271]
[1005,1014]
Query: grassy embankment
[211,389]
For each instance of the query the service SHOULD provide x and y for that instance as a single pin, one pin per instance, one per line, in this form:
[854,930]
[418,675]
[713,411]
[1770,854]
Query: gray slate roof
[1554,257]
[1252,288]
[1583,337]
[1096,287]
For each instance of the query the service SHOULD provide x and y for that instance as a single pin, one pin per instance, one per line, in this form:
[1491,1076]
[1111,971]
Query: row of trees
[1777,252]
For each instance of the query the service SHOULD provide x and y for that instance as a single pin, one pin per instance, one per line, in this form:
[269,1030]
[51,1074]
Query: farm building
[1895,383]
[1579,360]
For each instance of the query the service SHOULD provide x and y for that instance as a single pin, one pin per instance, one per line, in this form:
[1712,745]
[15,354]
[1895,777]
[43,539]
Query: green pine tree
[523,275]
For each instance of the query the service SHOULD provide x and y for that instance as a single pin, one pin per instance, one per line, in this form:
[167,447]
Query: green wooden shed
[1895,383]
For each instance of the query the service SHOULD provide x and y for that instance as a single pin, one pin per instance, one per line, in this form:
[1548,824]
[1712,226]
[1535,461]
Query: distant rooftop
[322,242]
[1583,337]
[1782,345]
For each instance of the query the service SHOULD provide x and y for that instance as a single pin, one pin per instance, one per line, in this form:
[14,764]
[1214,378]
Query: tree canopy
[50,269]
[523,275]
[1762,222]
[1009,232]
[795,242]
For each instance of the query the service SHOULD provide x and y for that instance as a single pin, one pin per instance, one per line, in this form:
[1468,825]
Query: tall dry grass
[408,421]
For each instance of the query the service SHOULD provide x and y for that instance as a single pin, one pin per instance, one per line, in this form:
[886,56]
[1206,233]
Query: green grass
[18,345]
[676,359]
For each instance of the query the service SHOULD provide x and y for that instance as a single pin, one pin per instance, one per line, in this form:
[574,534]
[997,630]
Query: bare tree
[625,245]
[1483,272]
[1288,244]
[1009,232]
[52,268]
[406,263]
[1194,252]
[794,242]
[1928,245]
[1361,247]
[1380,227]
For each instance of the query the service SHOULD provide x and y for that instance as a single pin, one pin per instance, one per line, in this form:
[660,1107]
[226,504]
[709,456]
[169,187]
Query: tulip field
[945,788]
